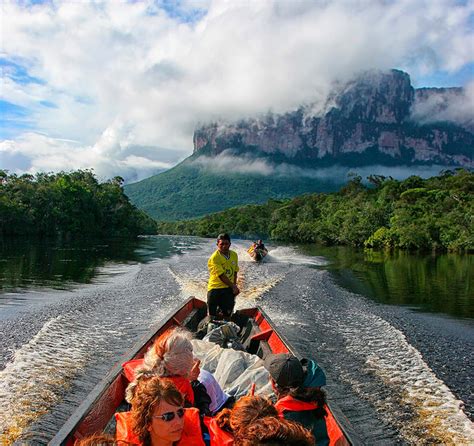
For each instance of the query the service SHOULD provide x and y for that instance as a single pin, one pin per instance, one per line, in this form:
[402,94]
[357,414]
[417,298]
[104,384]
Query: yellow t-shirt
[217,265]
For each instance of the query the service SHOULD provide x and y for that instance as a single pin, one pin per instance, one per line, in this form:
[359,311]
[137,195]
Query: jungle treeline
[414,214]
[68,204]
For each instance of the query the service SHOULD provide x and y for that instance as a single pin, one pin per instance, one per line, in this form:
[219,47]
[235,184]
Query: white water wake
[394,377]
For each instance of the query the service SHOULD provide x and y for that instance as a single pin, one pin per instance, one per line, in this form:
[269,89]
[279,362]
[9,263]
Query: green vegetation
[414,214]
[68,204]
[189,190]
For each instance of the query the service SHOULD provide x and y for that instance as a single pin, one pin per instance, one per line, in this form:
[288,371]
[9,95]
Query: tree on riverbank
[68,204]
[416,213]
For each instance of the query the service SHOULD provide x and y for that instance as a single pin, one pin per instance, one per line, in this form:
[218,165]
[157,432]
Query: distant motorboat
[258,254]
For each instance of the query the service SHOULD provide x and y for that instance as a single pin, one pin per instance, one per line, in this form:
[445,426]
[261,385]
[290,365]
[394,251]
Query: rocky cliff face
[377,118]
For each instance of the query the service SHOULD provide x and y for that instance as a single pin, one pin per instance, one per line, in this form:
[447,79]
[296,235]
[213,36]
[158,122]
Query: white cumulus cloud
[34,152]
[118,75]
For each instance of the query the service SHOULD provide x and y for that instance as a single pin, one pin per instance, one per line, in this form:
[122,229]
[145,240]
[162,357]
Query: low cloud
[396,172]
[226,162]
[452,105]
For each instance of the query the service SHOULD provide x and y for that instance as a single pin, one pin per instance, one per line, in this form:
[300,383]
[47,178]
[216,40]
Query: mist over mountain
[376,123]
[378,118]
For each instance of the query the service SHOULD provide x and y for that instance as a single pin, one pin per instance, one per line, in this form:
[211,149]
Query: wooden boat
[259,335]
[257,254]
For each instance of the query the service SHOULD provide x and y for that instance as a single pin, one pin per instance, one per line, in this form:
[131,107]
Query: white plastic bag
[235,371]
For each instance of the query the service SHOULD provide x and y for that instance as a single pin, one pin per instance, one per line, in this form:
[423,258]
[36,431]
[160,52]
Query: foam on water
[98,330]
[40,372]
[192,284]
[287,254]
[254,279]
[392,375]
[438,413]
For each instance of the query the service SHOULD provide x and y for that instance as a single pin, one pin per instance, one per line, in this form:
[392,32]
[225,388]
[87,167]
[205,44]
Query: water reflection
[34,263]
[442,283]
[435,283]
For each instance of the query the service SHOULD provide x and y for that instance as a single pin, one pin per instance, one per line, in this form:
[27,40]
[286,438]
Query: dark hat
[285,369]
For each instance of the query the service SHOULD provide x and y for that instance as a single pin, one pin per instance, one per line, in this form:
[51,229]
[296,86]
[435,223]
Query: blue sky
[120,86]
[442,78]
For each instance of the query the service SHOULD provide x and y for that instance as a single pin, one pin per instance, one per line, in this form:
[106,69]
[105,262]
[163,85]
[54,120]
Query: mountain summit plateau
[377,118]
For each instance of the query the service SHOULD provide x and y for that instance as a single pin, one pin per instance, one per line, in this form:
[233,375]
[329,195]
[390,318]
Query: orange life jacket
[191,435]
[294,405]
[130,368]
[335,434]
[219,437]
[184,386]
[124,430]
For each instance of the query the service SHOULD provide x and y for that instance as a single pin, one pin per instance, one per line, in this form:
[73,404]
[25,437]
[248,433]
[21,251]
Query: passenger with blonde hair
[157,417]
[271,431]
[170,356]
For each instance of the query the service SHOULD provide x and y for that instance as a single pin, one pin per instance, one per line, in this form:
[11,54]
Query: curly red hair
[246,410]
[272,431]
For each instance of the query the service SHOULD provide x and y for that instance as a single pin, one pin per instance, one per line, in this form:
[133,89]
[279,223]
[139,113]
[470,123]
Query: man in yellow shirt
[222,287]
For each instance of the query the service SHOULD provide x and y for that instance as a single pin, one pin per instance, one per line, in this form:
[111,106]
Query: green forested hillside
[189,191]
[68,203]
[434,213]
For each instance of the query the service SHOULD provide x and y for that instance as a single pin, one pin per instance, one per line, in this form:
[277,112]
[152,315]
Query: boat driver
[222,287]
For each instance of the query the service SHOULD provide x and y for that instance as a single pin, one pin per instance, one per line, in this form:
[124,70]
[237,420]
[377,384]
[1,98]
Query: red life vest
[124,429]
[184,386]
[335,434]
[219,437]
[293,405]
[130,368]
[191,435]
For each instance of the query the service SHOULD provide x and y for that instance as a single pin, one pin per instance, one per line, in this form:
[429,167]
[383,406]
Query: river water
[398,361]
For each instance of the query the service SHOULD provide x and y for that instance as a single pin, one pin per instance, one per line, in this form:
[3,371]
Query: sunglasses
[169,416]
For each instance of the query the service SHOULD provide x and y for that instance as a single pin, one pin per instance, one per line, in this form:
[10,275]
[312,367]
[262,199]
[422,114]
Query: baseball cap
[285,369]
